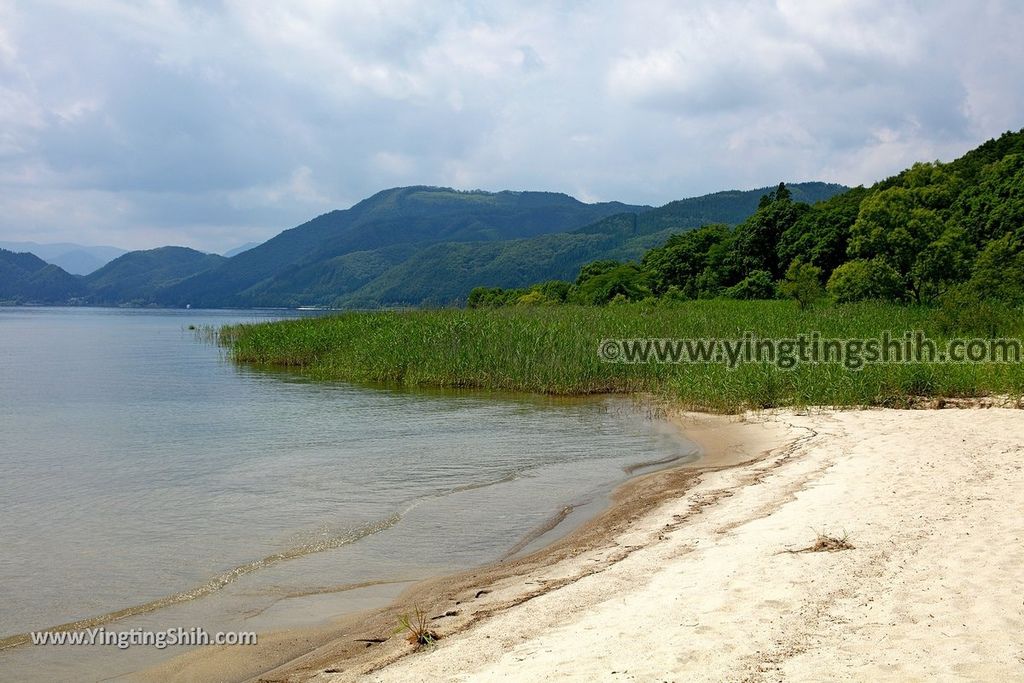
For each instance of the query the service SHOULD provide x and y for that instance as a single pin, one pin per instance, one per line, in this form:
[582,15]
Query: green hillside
[136,277]
[950,233]
[403,246]
[25,278]
[444,274]
[289,267]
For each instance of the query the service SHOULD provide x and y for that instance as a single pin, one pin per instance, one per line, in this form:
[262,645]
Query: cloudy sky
[210,124]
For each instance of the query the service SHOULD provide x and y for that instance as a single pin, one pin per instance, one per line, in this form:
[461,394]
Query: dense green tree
[550,292]
[994,206]
[554,290]
[971,165]
[757,238]
[721,271]
[533,298]
[779,194]
[683,260]
[863,279]
[758,285]
[943,263]
[933,185]
[821,236]
[626,280]
[802,283]
[898,227]
[998,272]
[596,268]
[489,297]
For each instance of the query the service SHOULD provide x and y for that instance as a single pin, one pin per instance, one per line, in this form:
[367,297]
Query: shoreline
[709,571]
[349,641]
[729,581]
[281,608]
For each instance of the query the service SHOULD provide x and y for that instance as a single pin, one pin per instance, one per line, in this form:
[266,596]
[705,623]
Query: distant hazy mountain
[77,259]
[136,277]
[238,250]
[26,278]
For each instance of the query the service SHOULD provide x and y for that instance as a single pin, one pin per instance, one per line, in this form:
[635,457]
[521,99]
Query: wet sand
[349,643]
[705,571]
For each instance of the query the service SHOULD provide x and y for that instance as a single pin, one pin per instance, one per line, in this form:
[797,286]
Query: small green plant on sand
[417,628]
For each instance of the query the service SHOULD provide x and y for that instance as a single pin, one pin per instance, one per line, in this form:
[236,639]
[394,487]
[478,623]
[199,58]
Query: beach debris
[449,613]
[370,642]
[481,592]
[827,543]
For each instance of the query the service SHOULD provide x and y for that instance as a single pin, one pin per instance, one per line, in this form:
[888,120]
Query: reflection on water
[142,469]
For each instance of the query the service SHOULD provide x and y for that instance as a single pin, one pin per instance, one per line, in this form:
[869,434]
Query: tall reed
[553,350]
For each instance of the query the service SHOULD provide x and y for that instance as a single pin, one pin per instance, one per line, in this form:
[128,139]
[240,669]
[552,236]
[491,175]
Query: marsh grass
[553,350]
[211,334]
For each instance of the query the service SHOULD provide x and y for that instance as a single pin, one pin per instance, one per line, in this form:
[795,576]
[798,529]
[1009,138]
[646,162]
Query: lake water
[141,470]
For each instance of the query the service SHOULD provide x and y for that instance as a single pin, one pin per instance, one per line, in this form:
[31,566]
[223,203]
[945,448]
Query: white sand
[933,502]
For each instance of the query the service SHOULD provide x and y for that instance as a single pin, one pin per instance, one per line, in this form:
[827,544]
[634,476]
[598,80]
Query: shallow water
[145,473]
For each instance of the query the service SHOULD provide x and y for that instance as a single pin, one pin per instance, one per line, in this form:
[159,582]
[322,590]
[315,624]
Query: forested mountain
[445,273]
[410,246]
[414,245]
[291,268]
[932,232]
[138,276]
[26,278]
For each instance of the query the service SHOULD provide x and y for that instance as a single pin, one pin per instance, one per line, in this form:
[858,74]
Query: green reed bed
[554,350]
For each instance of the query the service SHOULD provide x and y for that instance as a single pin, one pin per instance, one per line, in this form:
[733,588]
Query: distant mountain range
[238,250]
[404,246]
[77,259]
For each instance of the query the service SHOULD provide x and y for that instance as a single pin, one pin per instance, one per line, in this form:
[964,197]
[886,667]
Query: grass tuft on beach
[554,350]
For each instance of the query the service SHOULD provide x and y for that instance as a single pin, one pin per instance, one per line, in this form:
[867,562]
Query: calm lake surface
[140,469]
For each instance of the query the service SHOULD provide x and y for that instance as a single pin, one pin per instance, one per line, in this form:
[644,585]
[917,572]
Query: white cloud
[163,121]
[299,187]
[393,163]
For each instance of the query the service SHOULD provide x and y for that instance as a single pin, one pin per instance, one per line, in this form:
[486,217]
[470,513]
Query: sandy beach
[703,572]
